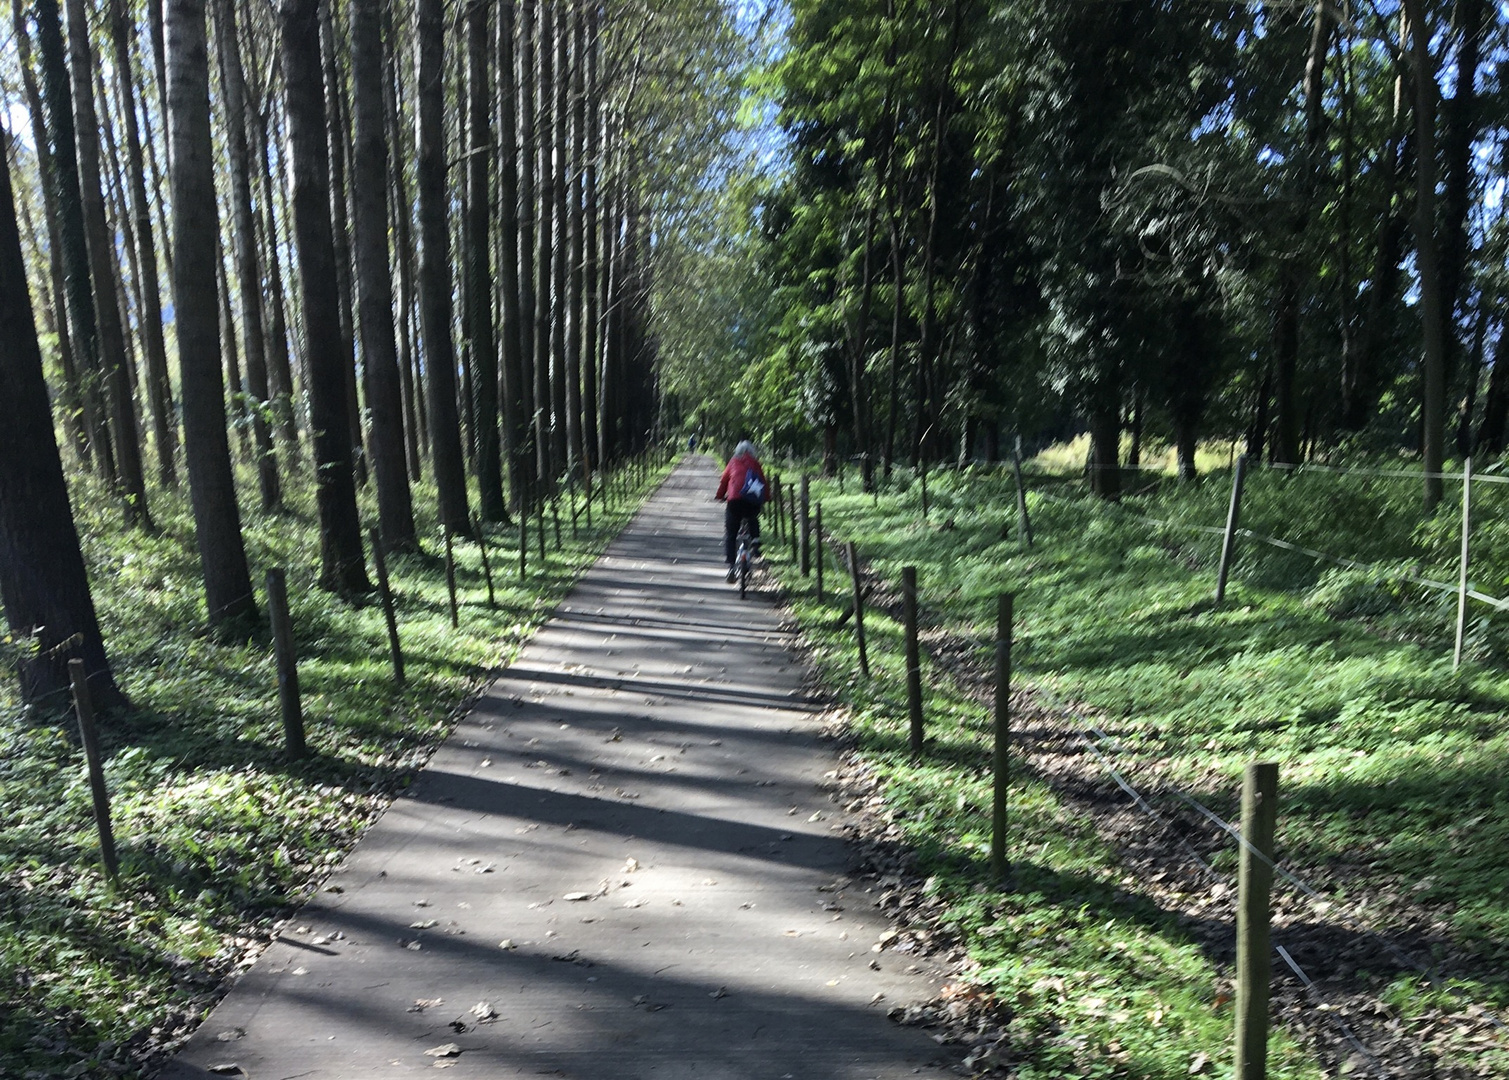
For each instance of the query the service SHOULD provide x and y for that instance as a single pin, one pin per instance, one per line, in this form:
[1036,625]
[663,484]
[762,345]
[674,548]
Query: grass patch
[220,836]
[1392,764]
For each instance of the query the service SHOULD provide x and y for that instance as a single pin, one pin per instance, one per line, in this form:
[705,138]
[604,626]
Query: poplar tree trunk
[248,268]
[58,97]
[340,232]
[544,219]
[562,447]
[515,392]
[99,240]
[212,487]
[44,587]
[1427,253]
[403,256]
[480,287]
[592,267]
[374,283]
[159,387]
[434,272]
[529,401]
[575,242]
[70,393]
[343,566]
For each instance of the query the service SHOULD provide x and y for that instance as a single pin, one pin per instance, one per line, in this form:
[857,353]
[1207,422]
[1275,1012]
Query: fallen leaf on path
[630,865]
[443,1050]
[299,971]
[507,943]
[412,946]
[421,1004]
[578,896]
[231,1034]
[484,1012]
[227,1068]
[721,992]
[423,924]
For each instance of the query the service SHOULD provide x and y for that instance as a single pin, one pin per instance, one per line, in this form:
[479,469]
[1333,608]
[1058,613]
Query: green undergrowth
[1392,790]
[220,835]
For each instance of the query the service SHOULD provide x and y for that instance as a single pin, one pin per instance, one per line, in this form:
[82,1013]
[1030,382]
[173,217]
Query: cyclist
[744,488]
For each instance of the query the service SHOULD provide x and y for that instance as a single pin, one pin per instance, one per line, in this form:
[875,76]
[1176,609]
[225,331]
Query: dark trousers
[737,511]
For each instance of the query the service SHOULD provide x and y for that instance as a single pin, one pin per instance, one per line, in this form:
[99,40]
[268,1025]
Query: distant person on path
[691,442]
[743,487]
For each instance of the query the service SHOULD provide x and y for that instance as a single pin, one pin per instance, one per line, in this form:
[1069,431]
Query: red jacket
[731,484]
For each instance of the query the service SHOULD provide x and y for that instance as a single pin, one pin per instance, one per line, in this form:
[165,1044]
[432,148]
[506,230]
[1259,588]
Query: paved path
[626,851]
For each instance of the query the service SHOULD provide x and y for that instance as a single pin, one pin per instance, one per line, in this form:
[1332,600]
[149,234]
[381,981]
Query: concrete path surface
[622,864]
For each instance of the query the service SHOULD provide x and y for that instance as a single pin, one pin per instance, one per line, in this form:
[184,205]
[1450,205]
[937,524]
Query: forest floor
[221,837]
[1111,954]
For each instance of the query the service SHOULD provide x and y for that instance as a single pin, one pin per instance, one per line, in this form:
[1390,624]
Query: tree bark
[44,587]
[159,387]
[544,223]
[1432,309]
[374,281]
[575,146]
[248,268]
[58,98]
[212,487]
[342,560]
[435,273]
[102,254]
[514,390]
[491,506]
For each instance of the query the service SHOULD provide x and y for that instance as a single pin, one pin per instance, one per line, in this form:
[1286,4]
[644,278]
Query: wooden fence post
[913,656]
[523,537]
[450,580]
[555,519]
[1255,881]
[859,609]
[1456,656]
[386,594]
[571,498]
[776,507]
[999,865]
[922,469]
[806,526]
[1024,526]
[540,532]
[796,552]
[288,662]
[84,707]
[487,570]
[817,527]
[1233,518]
[587,479]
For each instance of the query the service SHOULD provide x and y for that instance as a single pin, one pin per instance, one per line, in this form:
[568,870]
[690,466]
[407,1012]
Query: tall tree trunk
[235,386]
[248,266]
[403,256]
[1432,308]
[335,112]
[343,566]
[70,394]
[514,391]
[58,98]
[278,361]
[1105,438]
[1460,126]
[478,249]
[374,282]
[102,254]
[435,272]
[528,154]
[592,267]
[44,587]
[544,236]
[571,190]
[212,487]
[159,387]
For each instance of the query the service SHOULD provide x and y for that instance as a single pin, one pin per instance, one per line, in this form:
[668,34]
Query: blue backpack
[754,489]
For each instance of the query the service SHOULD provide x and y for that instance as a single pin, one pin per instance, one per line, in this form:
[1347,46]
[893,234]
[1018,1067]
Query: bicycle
[748,548]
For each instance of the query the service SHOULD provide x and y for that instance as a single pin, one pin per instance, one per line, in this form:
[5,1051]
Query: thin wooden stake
[487,570]
[796,552]
[859,609]
[1001,761]
[523,538]
[289,704]
[1254,883]
[1233,518]
[540,532]
[806,526]
[555,519]
[1456,656]
[922,469]
[1024,526]
[913,656]
[571,501]
[84,707]
[450,580]
[395,650]
[817,526]
[588,499]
